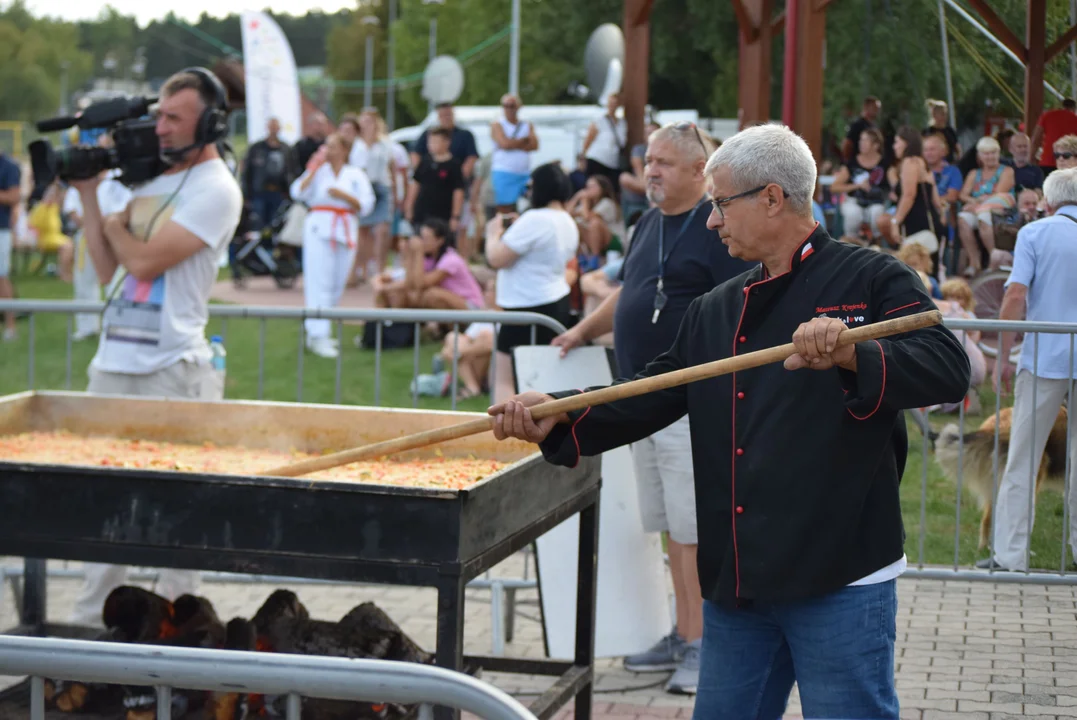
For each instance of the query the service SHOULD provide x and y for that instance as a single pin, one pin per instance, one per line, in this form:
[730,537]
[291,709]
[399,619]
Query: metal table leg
[32,612]
[586,591]
[450,633]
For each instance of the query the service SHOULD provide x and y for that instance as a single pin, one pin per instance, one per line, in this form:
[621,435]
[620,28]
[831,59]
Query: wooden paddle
[604,395]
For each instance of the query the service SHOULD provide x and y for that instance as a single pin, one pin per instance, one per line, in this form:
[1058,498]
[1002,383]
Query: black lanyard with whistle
[660,296]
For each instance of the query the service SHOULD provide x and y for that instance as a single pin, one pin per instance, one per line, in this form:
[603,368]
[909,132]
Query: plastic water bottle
[216,346]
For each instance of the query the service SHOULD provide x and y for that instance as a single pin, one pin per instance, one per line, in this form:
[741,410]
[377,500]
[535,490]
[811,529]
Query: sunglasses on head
[688,125]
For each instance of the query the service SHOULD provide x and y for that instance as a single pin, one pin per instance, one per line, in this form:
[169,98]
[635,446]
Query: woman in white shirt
[338,194]
[531,258]
[373,151]
[606,139]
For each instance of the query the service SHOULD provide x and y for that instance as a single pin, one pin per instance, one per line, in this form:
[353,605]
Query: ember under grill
[295,527]
[281,625]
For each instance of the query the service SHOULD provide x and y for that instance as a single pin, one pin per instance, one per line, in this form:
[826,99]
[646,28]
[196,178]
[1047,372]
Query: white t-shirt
[545,239]
[517,162]
[112,196]
[606,147]
[150,325]
[374,158]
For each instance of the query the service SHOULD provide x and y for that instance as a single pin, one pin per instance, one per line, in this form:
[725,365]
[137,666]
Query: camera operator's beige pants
[182,380]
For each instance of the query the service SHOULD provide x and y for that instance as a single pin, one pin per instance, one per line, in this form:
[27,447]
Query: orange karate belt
[340,217]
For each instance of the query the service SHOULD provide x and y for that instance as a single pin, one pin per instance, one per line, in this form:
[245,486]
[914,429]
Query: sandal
[466,394]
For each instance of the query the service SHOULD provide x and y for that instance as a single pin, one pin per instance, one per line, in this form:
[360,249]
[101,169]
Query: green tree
[34,54]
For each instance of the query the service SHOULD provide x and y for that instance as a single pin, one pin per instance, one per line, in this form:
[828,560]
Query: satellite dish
[613,81]
[603,60]
[443,80]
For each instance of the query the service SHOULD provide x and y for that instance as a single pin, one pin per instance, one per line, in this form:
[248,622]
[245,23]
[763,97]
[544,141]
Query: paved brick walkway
[968,650]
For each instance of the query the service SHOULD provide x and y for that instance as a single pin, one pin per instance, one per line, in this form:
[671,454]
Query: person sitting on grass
[473,348]
[435,276]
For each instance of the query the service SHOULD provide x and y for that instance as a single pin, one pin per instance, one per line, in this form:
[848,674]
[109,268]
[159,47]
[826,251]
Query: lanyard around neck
[664,256]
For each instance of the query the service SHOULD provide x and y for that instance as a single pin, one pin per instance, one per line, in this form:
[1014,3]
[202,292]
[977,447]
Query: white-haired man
[796,465]
[1040,288]
[673,259]
[1026,176]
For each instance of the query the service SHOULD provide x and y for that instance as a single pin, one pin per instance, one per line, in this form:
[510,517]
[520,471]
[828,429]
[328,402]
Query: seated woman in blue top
[988,190]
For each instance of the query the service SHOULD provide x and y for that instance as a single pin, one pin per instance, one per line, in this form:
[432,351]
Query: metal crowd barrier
[456,318]
[1044,572]
[227,671]
[503,590]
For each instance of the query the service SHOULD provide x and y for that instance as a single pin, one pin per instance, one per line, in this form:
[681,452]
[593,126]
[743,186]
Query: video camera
[135,152]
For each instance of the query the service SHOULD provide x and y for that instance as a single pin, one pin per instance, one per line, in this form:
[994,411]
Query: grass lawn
[357,388]
[241,339]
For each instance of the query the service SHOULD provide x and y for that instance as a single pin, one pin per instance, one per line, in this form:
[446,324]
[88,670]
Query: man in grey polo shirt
[1041,282]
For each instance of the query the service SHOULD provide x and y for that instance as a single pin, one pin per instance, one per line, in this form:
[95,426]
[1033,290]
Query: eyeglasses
[719,203]
[686,125]
[1064,155]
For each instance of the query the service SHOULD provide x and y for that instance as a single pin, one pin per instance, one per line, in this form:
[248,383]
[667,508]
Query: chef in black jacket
[797,465]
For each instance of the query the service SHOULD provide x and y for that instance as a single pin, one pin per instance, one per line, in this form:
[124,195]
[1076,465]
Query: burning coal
[281,625]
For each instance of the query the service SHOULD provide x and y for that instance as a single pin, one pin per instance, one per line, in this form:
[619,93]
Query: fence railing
[975,459]
[228,671]
[970,461]
[456,318]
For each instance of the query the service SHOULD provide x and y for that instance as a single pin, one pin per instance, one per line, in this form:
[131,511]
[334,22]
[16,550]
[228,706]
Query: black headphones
[213,125]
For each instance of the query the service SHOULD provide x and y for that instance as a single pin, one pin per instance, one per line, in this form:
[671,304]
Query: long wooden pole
[605,395]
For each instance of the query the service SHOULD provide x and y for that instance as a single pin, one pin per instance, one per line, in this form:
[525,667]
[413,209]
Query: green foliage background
[890,48]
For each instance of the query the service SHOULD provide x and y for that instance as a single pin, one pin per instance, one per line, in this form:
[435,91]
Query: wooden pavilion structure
[803,23]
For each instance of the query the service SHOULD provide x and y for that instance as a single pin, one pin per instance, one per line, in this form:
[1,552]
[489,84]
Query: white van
[561,129]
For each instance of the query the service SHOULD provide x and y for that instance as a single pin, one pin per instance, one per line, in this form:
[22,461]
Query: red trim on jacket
[882,390]
[574,438]
[903,307]
[798,248]
[733,478]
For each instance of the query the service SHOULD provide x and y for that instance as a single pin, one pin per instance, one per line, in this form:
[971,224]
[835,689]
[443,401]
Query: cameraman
[163,251]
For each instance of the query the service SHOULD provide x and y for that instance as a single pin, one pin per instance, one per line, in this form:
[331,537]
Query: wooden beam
[996,25]
[795,15]
[811,44]
[643,16]
[821,5]
[635,87]
[753,89]
[1035,31]
[748,27]
[1060,44]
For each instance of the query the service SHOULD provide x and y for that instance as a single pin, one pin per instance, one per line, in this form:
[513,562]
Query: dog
[977,462]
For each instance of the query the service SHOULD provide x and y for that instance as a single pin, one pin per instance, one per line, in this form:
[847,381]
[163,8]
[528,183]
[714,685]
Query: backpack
[393,335]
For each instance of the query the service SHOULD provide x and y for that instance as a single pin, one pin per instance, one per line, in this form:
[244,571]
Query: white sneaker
[9,335]
[322,347]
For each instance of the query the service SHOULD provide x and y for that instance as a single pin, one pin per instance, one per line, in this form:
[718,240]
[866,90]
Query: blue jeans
[839,649]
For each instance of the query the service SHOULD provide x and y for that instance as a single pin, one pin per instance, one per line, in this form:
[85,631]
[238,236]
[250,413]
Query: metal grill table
[296,527]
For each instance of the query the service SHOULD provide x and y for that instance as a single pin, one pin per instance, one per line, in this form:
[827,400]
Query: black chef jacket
[796,472]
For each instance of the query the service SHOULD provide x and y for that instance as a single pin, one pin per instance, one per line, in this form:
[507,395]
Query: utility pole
[433,38]
[390,100]
[514,51]
[63,87]
[371,21]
